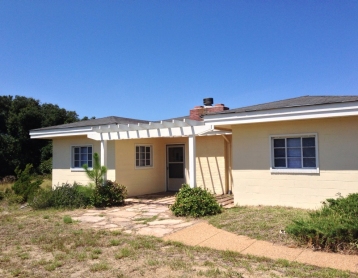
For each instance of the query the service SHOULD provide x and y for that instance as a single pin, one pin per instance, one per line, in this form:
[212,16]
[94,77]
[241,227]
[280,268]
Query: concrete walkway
[205,235]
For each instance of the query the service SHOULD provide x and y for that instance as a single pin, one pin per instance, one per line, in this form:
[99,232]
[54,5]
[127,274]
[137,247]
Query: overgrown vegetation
[65,196]
[334,227]
[24,186]
[109,194]
[195,202]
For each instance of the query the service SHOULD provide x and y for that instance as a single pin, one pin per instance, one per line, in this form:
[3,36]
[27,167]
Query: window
[296,152]
[81,155]
[143,155]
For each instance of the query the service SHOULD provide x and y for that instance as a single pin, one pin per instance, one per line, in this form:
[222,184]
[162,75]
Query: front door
[175,167]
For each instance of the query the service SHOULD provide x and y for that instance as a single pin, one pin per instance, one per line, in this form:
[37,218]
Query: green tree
[96,174]
[18,115]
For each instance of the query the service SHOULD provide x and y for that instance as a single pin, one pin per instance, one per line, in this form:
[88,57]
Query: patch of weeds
[5,259]
[152,262]
[81,256]
[115,242]
[24,256]
[177,264]
[116,233]
[146,220]
[67,219]
[101,266]
[53,265]
[208,263]
[123,253]
[95,253]
[283,263]
[46,216]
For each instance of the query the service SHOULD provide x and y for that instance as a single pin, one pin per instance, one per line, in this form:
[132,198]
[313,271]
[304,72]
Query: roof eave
[285,114]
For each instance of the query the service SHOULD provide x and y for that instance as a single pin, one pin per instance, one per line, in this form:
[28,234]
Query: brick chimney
[199,111]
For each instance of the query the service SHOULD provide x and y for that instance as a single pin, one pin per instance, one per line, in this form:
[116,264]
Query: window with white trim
[296,152]
[143,155]
[81,155]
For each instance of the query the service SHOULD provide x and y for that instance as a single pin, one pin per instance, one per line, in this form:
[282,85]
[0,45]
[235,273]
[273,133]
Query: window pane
[294,152]
[280,153]
[84,157]
[147,162]
[77,157]
[137,156]
[89,157]
[309,162]
[77,150]
[147,149]
[309,152]
[141,162]
[147,155]
[294,163]
[309,142]
[293,142]
[142,155]
[279,162]
[89,164]
[279,143]
[137,149]
[137,163]
[84,150]
[89,149]
[77,164]
[142,149]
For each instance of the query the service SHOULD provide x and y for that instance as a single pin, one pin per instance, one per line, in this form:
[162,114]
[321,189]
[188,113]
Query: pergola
[175,128]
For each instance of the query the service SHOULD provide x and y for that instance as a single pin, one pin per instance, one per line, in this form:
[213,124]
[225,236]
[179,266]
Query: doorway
[175,167]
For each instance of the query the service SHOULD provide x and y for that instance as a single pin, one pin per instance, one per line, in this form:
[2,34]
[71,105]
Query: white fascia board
[150,133]
[52,133]
[285,114]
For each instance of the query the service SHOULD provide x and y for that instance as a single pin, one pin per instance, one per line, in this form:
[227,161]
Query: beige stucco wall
[254,184]
[62,172]
[145,180]
[210,164]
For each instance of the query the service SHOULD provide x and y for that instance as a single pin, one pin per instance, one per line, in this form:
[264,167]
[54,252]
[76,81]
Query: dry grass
[44,244]
[259,222]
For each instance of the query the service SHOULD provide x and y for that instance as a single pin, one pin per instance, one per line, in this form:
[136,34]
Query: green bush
[195,202]
[11,197]
[334,227]
[24,186]
[109,194]
[46,166]
[65,196]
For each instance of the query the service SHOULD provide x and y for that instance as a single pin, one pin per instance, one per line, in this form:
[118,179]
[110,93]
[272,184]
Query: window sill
[79,169]
[143,167]
[295,171]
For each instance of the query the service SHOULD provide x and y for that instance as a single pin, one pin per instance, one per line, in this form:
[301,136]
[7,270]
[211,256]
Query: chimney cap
[208,101]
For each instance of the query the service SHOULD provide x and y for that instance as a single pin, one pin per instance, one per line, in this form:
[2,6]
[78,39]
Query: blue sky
[158,59]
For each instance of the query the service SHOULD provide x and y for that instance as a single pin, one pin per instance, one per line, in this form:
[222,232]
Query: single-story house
[294,152]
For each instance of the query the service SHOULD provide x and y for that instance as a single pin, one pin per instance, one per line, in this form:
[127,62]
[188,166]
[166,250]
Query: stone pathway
[142,219]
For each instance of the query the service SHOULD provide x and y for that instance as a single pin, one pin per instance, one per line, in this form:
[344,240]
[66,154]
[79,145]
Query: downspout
[229,163]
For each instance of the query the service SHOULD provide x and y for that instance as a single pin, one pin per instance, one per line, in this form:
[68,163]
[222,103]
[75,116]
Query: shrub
[11,197]
[65,196]
[23,186]
[46,166]
[109,194]
[334,227]
[195,202]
